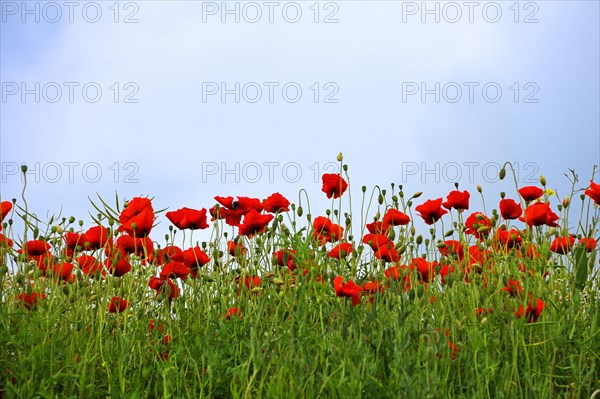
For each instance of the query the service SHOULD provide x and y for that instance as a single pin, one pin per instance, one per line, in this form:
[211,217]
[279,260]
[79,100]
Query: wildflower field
[284,303]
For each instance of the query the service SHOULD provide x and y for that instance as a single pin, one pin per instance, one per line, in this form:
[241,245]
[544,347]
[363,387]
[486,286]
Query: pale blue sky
[364,61]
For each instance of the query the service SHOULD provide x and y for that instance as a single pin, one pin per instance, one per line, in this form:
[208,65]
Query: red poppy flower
[387,253]
[72,240]
[90,265]
[31,300]
[431,211]
[192,257]
[164,287]
[349,289]
[43,261]
[376,241]
[590,244]
[326,231]
[372,287]
[163,255]
[285,257]
[478,224]
[5,241]
[35,248]
[334,185]
[477,255]
[276,203]
[394,217]
[593,192]
[5,208]
[509,209]
[227,202]
[453,247]
[509,238]
[138,213]
[232,312]
[139,246]
[94,238]
[445,270]
[232,217]
[246,204]
[533,312]
[117,305]
[513,287]
[236,249]
[457,200]
[377,227]
[399,273]
[63,271]
[425,268]
[539,213]
[562,245]
[175,269]
[118,266]
[186,218]
[254,223]
[341,250]
[249,282]
[530,193]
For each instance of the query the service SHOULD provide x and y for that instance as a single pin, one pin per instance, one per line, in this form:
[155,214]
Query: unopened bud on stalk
[448,233]
[300,211]
[566,201]
[441,244]
[417,194]
[380,199]
[483,229]
[479,189]
[413,231]
[419,239]
[543,180]
[340,157]
[502,174]
[24,168]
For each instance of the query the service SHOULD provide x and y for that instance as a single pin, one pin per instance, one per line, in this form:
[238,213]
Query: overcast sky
[185,100]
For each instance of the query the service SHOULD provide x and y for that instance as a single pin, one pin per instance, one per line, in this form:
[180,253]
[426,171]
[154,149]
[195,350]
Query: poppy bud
[419,239]
[479,189]
[278,281]
[543,180]
[566,201]
[380,199]
[300,211]
[417,194]
[502,173]
[340,157]
[24,168]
